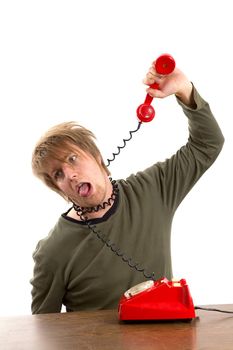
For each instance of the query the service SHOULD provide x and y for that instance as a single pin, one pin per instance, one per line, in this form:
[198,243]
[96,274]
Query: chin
[88,204]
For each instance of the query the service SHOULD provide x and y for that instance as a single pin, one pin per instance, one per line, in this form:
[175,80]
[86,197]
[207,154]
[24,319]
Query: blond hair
[56,144]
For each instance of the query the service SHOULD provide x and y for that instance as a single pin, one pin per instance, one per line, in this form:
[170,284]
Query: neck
[86,213]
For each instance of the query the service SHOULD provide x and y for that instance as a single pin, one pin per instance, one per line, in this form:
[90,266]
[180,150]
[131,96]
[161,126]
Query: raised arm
[177,175]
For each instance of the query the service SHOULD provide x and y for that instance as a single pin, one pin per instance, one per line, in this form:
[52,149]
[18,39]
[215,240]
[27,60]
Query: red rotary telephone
[157,300]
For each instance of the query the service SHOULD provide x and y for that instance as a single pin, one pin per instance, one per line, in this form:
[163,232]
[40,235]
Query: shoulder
[47,245]
[60,240]
[141,180]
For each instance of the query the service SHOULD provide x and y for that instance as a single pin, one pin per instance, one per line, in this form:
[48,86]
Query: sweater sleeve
[178,174]
[47,285]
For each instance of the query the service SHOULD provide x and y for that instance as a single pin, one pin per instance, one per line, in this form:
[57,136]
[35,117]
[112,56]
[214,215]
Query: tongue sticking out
[84,190]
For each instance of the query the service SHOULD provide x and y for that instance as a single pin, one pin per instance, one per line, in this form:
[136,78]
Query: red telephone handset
[165,64]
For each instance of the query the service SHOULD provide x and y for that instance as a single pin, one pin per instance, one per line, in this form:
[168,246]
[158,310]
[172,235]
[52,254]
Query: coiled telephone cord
[111,245]
[124,144]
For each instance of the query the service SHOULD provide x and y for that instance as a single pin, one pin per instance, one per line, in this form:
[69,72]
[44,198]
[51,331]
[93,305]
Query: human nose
[70,172]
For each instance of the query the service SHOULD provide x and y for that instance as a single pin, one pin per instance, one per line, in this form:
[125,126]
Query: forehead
[60,152]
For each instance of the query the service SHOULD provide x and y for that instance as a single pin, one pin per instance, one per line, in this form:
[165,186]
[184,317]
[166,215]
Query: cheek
[99,169]
[62,186]
[98,175]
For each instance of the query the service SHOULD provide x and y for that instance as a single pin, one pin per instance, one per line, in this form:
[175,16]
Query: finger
[153,72]
[155,93]
[151,79]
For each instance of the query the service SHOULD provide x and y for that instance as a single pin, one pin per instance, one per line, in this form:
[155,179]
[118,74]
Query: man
[117,233]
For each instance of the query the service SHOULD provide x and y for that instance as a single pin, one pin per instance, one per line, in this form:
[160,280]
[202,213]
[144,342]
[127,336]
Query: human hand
[175,83]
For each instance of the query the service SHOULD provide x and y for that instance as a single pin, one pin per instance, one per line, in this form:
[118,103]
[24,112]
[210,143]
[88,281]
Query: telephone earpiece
[165,64]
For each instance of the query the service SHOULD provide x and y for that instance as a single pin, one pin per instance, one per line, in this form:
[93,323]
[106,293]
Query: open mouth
[84,189]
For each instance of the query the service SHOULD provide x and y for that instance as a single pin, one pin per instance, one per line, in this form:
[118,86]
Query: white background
[85,61]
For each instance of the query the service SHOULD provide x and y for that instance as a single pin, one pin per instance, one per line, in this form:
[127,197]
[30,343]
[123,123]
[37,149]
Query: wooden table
[101,330]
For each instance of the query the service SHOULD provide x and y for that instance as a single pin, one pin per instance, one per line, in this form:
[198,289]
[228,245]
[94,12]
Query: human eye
[57,175]
[72,158]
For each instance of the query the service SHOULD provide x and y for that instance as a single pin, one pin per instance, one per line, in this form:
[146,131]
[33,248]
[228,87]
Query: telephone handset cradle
[157,300]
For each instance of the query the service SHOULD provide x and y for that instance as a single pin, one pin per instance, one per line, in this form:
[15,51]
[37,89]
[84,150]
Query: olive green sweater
[73,267]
